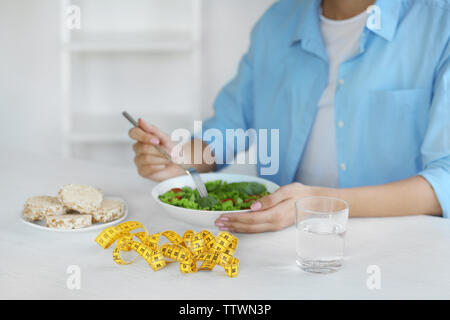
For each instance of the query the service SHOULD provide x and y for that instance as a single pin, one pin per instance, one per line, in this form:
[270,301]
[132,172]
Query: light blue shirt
[392,106]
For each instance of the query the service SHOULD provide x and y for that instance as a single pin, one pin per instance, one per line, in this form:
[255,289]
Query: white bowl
[202,218]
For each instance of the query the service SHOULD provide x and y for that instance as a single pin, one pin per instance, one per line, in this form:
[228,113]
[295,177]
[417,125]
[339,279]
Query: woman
[363,109]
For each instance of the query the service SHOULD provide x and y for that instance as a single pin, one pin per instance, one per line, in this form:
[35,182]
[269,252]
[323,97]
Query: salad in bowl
[227,193]
[222,196]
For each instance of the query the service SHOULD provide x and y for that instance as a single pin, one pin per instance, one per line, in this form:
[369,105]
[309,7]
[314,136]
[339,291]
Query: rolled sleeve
[438,176]
[436,146]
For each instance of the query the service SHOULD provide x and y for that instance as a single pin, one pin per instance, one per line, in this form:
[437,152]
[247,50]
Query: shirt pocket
[406,98]
[398,120]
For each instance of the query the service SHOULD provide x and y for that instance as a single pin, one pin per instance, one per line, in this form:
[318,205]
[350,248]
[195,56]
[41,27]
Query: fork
[189,170]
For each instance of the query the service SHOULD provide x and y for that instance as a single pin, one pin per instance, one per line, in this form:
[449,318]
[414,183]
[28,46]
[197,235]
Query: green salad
[222,196]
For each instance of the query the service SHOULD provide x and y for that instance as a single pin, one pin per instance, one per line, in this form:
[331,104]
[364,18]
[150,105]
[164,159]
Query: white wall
[29,75]
[227,25]
[30,100]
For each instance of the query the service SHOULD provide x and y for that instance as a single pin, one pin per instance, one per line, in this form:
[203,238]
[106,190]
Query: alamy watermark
[73,17]
[374,19]
[263,146]
[73,281]
[373,281]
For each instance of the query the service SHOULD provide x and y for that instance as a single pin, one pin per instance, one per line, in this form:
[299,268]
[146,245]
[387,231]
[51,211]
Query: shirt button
[341,82]
[341,124]
[343,167]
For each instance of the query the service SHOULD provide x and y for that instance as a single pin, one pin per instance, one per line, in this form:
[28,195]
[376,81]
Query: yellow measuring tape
[187,250]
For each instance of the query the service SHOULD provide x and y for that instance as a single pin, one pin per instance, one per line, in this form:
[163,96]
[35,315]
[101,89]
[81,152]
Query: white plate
[94,226]
[202,218]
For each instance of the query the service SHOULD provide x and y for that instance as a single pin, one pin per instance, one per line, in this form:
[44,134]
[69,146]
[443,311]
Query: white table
[412,253]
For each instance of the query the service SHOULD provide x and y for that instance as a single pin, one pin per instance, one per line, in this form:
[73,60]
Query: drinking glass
[320,224]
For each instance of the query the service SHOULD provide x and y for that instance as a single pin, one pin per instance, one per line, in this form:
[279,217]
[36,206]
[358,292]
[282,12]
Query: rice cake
[38,207]
[82,198]
[109,210]
[68,221]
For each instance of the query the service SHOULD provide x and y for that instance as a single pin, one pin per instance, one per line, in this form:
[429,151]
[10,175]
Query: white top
[318,166]
[412,253]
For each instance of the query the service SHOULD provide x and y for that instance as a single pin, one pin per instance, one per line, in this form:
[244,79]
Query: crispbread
[37,207]
[68,221]
[108,211]
[82,198]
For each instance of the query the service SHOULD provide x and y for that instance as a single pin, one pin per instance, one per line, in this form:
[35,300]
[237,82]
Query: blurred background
[62,89]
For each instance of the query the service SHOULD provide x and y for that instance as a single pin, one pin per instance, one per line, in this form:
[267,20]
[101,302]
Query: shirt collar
[308,26]
[389,11]
[309,22]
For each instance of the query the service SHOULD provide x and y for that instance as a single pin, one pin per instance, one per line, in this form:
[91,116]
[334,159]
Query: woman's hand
[270,213]
[150,163]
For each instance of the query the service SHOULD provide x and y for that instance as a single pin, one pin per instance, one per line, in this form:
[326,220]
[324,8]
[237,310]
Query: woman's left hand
[270,213]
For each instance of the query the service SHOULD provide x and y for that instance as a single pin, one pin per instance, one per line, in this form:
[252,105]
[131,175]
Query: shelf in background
[113,128]
[142,55]
[131,42]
